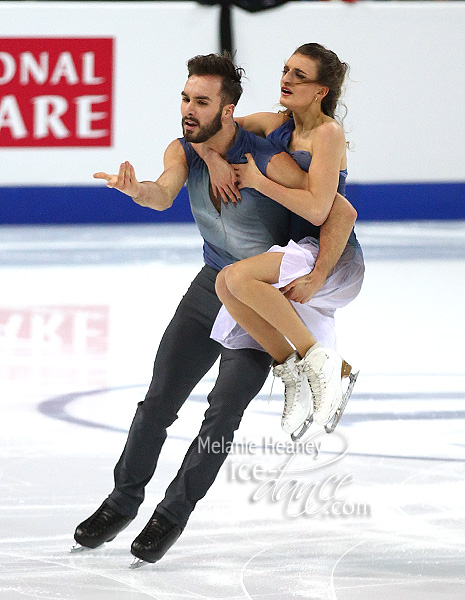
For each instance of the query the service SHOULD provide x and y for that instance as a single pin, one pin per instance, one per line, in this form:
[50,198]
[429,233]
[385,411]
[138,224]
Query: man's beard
[205,132]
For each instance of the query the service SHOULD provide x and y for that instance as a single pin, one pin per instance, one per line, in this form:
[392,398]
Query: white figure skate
[297,415]
[325,370]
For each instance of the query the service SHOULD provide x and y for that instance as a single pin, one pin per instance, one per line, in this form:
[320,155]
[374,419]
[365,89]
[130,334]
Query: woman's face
[299,82]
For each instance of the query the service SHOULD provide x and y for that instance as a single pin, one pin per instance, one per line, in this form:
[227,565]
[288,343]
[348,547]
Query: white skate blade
[137,563]
[331,425]
[78,548]
[304,427]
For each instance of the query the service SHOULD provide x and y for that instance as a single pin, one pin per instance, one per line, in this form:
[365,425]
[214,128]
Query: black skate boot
[155,540]
[103,526]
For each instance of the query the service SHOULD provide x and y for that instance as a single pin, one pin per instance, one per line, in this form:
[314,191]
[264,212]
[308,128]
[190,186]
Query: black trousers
[185,354]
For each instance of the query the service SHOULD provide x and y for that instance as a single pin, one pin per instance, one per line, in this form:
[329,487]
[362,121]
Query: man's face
[201,108]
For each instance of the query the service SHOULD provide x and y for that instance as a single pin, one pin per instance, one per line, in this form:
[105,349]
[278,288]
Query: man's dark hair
[222,66]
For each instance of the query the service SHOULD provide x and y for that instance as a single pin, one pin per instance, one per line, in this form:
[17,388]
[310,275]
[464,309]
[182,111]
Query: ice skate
[154,541]
[325,370]
[103,526]
[297,414]
[346,371]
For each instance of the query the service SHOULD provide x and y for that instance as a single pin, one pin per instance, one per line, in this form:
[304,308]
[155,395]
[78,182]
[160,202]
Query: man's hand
[125,181]
[303,288]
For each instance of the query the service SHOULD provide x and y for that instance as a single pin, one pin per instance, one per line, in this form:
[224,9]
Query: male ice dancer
[186,351]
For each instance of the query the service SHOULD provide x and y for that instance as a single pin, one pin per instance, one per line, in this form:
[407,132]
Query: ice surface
[373,511]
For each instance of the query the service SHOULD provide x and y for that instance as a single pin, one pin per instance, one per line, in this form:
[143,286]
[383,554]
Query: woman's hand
[222,176]
[248,174]
[223,180]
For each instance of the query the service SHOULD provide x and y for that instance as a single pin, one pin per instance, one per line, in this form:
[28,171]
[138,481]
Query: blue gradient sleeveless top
[238,231]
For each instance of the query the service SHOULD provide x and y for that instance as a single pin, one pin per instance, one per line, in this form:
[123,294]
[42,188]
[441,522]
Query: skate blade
[304,427]
[78,548]
[331,426]
[137,563]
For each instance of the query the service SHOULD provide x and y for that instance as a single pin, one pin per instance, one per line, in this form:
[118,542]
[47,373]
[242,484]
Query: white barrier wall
[406,92]
[405,95]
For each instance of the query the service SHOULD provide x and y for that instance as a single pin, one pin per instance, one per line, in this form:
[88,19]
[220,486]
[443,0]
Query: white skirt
[340,288]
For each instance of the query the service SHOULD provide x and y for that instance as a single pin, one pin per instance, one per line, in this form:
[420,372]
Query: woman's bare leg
[248,281]
[264,333]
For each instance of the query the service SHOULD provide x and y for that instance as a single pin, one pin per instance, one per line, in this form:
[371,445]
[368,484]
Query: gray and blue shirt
[238,231]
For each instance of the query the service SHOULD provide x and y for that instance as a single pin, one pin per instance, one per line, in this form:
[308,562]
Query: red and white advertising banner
[39,329]
[56,92]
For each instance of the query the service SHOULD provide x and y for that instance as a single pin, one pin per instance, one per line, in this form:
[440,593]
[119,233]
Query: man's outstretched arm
[158,194]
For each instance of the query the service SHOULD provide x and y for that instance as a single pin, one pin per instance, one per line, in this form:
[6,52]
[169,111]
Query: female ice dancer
[278,301]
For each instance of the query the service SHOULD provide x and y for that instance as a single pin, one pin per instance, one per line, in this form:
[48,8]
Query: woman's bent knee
[236,277]
[221,287]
